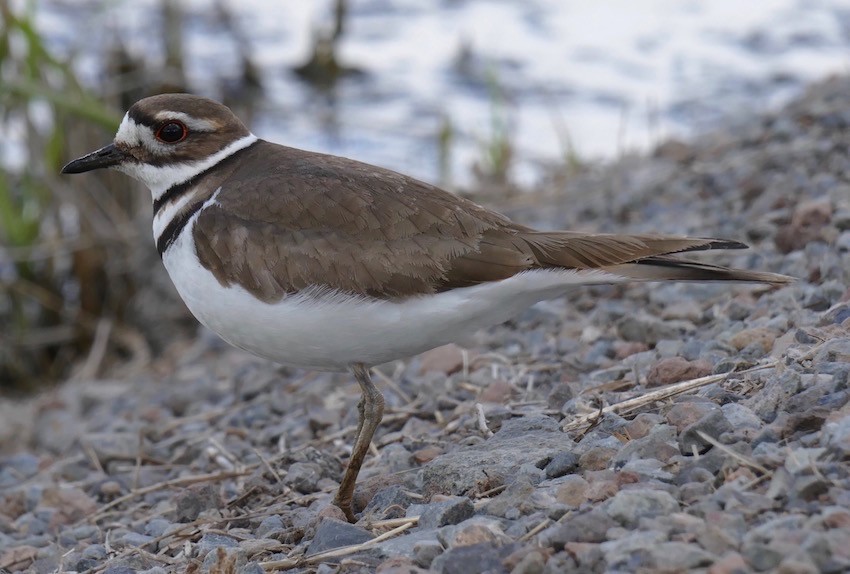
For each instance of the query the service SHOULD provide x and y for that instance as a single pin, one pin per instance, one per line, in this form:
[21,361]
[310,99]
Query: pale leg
[371,411]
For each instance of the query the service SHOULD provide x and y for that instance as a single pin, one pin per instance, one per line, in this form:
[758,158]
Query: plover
[328,263]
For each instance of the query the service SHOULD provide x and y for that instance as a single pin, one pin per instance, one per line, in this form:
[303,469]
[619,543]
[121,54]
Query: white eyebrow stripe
[193,123]
[128,132]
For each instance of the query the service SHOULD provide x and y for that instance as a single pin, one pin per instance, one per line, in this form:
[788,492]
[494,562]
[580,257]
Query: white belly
[331,330]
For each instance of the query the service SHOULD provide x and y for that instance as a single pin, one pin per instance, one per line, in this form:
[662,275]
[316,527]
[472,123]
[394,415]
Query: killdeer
[328,263]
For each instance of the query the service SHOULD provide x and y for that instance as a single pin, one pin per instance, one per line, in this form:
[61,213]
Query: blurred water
[608,76]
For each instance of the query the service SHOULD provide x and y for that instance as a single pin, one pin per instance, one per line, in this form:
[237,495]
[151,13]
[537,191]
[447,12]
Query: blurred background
[499,100]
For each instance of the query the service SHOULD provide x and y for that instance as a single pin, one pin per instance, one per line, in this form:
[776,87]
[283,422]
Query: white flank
[327,330]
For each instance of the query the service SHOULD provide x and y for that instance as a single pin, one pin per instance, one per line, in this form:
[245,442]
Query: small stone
[110,489]
[269,524]
[758,335]
[659,444]
[807,224]
[809,488]
[304,476]
[425,551]
[157,527]
[191,501]
[623,349]
[800,563]
[251,568]
[741,417]
[591,527]
[684,414]
[525,440]
[473,559]
[330,511]
[628,506]
[397,458]
[676,369]
[560,393]
[649,330]
[572,491]
[24,465]
[680,557]
[731,563]
[596,458]
[498,391]
[389,502]
[640,426]
[474,530]
[427,454]
[713,425]
[398,565]
[211,541]
[532,561]
[761,557]
[333,533]
[562,463]
[452,511]
[515,499]
[133,539]
[95,552]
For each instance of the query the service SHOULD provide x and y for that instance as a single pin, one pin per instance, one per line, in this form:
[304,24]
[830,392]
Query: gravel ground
[648,428]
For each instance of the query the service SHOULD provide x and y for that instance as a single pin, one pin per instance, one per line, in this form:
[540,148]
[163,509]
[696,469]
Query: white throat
[159,178]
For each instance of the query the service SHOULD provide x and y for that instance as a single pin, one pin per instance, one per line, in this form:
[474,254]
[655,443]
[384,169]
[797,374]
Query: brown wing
[346,225]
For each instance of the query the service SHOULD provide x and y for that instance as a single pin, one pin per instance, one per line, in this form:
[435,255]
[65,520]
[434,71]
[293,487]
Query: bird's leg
[371,410]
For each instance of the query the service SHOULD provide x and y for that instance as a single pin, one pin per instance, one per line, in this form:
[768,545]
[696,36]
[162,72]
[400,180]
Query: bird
[327,263]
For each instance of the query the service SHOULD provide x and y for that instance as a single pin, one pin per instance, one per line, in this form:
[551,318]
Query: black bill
[107,156]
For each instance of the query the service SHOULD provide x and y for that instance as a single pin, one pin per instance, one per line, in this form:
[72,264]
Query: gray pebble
[304,476]
[211,541]
[269,524]
[628,506]
[424,552]
[562,463]
[473,559]
[157,527]
[95,552]
[712,425]
[251,568]
[389,502]
[132,539]
[333,533]
[436,514]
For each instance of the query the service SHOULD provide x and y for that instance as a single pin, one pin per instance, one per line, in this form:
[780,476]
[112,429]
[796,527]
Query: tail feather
[500,255]
[670,269]
[589,251]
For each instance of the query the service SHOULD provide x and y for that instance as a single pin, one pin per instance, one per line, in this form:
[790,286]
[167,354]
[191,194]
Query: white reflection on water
[613,75]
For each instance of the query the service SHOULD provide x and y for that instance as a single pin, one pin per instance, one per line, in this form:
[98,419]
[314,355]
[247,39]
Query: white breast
[329,331]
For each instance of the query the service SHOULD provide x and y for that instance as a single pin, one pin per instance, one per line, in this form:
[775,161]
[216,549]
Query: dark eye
[171,132]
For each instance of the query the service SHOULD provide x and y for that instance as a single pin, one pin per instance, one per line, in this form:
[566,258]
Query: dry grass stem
[536,530]
[181,481]
[482,421]
[659,394]
[338,552]
[736,455]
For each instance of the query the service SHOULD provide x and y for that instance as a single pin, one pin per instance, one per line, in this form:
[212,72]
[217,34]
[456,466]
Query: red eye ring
[171,132]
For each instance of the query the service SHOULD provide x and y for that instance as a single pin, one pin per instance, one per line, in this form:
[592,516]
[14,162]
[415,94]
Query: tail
[671,269]
[641,257]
